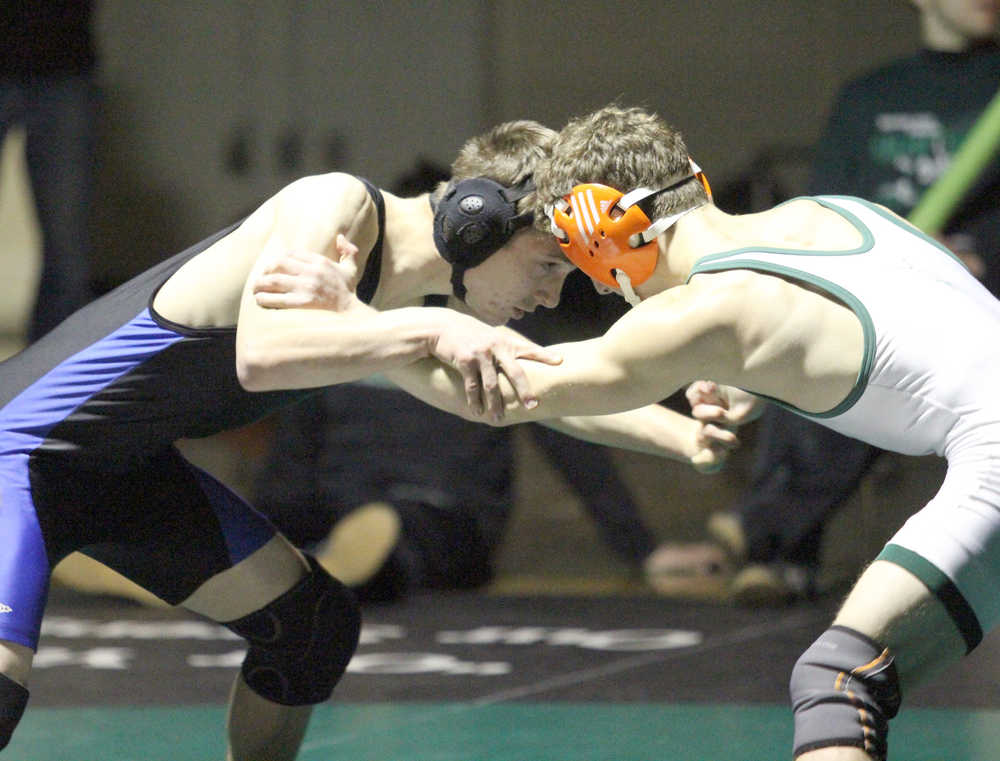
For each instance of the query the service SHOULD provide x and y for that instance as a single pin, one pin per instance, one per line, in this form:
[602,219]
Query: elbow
[506,421]
[254,372]
[467,413]
[514,413]
[493,422]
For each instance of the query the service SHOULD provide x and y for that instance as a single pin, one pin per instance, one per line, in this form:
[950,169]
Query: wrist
[435,325]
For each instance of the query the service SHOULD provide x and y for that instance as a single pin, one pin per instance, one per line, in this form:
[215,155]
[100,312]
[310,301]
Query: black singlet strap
[373,267]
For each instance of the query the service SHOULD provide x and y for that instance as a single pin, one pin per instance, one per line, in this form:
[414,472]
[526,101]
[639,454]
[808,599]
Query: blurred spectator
[47,86]
[391,494]
[891,134]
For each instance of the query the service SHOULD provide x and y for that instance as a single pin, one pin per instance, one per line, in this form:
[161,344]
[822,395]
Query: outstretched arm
[300,347]
[305,280]
[653,350]
[651,428]
[606,389]
[655,430]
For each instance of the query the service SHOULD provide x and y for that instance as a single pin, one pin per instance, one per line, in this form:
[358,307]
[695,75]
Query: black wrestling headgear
[473,219]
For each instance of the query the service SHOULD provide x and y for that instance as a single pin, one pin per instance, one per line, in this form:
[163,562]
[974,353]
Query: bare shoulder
[695,324]
[306,214]
[345,187]
[335,202]
[717,298]
[741,293]
[793,342]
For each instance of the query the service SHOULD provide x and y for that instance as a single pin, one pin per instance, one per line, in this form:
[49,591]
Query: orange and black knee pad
[13,699]
[301,642]
[844,690]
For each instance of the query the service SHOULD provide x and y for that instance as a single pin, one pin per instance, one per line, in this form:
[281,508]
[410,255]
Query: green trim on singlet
[723,261]
[894,219]
[942,587]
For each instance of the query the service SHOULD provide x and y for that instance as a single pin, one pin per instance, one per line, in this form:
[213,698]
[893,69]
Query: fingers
[473,392]
[303,263]
[482,389]
[483,392]
[273,282]
[484,356]
[710,413]
[275,300]
[492,396]
[478,372]
[540,354]
[345,249]
[507,361]
[703,391]
[708,402]
[510,367]
[347,257]
[482,386]
[276,291]
[707,461]
[720,438]
[714,445]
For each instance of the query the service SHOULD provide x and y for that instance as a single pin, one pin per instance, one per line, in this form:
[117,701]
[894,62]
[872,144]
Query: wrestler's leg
[15,665]
[258,728]
[191,541]
[895,609]
[24,575]
[923,604]
[15,661]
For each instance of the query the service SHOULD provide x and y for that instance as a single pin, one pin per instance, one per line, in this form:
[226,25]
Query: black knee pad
[301,642]
[844,690]
[13,699]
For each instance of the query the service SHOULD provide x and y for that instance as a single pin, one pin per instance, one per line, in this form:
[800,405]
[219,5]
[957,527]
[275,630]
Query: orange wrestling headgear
[605,233]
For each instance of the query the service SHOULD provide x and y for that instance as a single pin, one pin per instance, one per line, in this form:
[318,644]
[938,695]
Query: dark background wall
[212,105]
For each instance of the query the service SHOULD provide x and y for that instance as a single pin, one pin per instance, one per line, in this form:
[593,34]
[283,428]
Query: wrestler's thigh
[171,528]
[250,584]
[15,661]
[894,608]
[24,560]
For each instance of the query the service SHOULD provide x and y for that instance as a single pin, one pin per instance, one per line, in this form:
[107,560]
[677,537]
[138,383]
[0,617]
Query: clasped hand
[722,405]
[304,280]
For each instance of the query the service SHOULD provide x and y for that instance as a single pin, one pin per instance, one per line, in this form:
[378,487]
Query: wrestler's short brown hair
[507,154]
[624,148]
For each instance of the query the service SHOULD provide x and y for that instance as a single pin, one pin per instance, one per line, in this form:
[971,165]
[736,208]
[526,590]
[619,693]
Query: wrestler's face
[528,271]
[970,20]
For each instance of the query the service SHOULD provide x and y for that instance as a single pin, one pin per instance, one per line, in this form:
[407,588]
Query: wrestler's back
[117,380]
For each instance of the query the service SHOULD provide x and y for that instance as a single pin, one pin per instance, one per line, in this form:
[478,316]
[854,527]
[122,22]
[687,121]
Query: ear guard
[606,234]
[473,219]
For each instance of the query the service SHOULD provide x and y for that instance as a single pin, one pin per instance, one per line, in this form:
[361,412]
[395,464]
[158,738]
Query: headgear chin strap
[606,234]
[473,219]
